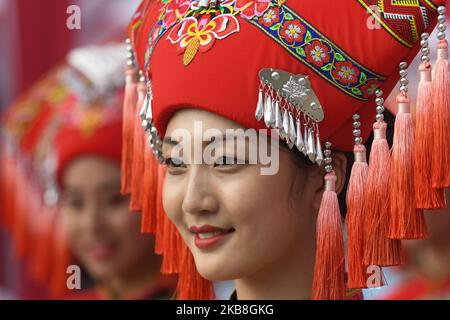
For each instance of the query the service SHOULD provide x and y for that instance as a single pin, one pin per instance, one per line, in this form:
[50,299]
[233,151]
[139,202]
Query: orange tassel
[329,270]
[148,223]
[171,256]
[426,196]
[160,214]
[441,119]
[191,285]
[355,219]
[407,222]
[129,111]
[379,250]
[137,167]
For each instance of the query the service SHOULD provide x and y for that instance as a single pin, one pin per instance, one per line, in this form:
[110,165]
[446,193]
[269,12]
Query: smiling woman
[301,70]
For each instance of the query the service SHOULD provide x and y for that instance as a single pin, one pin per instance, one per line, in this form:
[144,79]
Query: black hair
[302,163]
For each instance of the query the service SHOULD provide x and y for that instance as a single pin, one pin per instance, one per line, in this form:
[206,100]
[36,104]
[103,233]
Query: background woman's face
[103,234]
[257,226]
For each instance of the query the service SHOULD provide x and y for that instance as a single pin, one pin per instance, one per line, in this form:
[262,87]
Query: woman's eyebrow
[170,141]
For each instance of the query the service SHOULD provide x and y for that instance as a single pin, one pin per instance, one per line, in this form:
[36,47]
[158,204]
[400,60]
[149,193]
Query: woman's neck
[290,278]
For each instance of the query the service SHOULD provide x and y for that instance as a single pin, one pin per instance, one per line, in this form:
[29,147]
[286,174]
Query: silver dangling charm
[300,143]
[319,153]
[310,146]
[268,111]
[278,117]
[285,124]
[292,131]
[259,113]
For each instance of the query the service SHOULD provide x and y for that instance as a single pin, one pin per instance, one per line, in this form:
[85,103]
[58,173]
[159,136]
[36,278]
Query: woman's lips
[101,251]
[207,235]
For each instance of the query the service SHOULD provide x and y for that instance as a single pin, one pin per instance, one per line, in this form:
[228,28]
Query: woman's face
[236,221]
[103,234]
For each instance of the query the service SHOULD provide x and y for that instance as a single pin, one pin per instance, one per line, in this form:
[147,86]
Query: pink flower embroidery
[293,31]
[252,8]
[193,36]
[346,72]
[175,10]
[369,88]
[271,17]
[317,53]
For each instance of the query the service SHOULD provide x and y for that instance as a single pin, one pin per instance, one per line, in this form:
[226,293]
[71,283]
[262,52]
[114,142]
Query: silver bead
[328,160]
[380,109]
[275,76]
[327,152]
[441,35]
[425,58]
[356,132]
[379,93]
[403,73]
[425,36]
[356,125]
[379,101]
[379,117]
[442,27]
[328,144]
[404,81]
[425,51]
[403,65]
[358,140]
[404,88]
[328,168]
[441,10]
[424,43]
[355,117]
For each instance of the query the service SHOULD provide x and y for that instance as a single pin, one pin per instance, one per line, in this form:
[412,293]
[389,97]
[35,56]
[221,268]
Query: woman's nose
[200,193]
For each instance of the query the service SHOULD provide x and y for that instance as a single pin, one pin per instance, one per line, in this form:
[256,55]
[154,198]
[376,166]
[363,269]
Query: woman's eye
[225,161]
[74,204]
[116,200]
[174,163]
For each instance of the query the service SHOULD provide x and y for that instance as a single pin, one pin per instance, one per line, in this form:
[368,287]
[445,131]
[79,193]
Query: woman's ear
[316,178]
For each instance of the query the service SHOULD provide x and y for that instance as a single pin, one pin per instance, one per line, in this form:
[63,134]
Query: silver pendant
[292,133]
[299,143]
[319,157]
[310,146]
[278,117]
[260,107]
[267,110]
[286,124]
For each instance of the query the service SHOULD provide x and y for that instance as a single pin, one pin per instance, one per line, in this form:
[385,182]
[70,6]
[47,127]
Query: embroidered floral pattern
[370,87]
[317,53]
[175,10]
[324,57]
[252,8]
[293,31]
[346,72]
[194,36]
[197,29]
[271,17]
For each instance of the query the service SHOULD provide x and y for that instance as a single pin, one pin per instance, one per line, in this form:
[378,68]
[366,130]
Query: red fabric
[44,37]
[71,143]
[225,80]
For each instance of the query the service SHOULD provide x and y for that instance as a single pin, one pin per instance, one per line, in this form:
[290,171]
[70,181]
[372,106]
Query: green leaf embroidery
[301,52]
[327,67]
[339,57]
[308,36]
[363,78]
[275,26]
[356,91]
[288,16]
